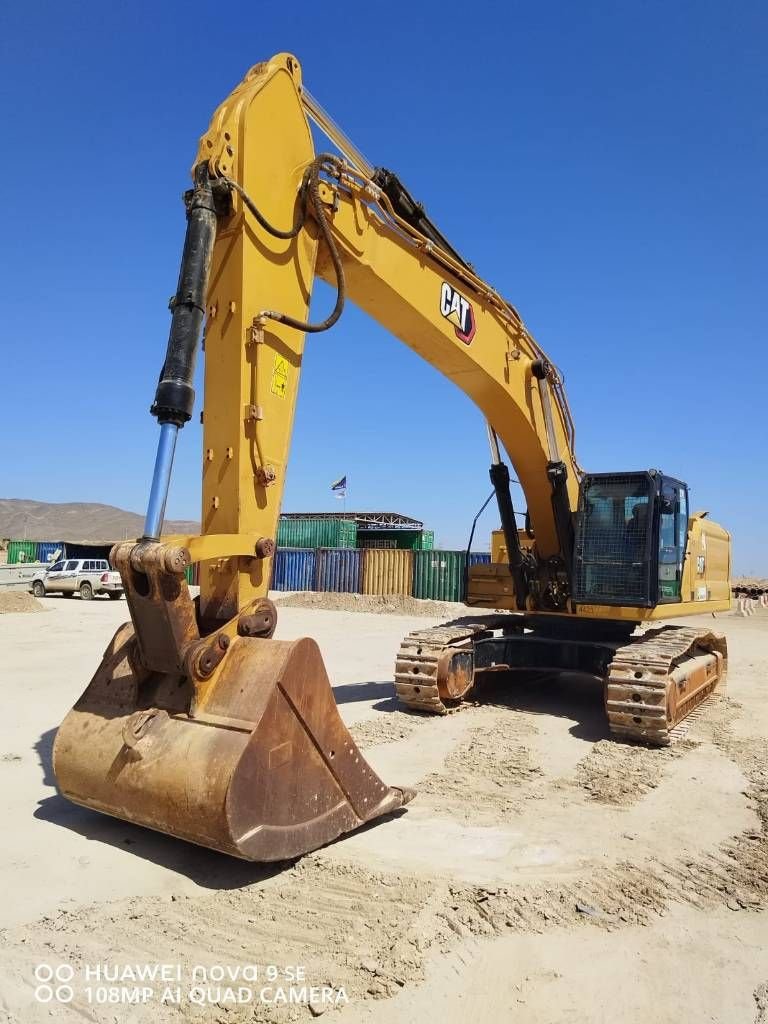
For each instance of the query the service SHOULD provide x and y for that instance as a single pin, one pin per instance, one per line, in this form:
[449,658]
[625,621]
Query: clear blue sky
[602,164]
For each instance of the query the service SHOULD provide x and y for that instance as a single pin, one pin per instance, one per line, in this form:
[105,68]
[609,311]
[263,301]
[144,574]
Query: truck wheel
[86,591]
[115,595]
[38,589]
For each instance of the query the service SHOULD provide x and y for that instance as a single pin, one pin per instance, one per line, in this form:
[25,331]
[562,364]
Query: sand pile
[19,601]
[382,604]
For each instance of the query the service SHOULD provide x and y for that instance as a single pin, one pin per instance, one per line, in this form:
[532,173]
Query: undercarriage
[651,681]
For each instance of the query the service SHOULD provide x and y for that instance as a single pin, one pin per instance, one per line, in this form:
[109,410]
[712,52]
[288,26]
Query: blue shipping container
[46,550]
[339,570]
[293,569]
[479,557]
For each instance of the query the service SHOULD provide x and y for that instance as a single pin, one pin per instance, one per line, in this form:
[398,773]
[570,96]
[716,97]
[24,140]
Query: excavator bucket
[236,745]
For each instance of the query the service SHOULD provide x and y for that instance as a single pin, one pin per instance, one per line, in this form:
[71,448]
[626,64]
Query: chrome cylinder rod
[161,479]
[175,395]
[493,441]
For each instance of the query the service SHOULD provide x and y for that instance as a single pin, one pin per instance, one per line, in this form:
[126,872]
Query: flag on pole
[340,487]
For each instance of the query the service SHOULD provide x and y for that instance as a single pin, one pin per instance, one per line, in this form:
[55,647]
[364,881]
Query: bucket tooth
[262,766]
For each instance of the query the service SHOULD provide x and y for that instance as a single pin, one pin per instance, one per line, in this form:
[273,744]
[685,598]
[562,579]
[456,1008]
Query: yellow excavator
[197,722]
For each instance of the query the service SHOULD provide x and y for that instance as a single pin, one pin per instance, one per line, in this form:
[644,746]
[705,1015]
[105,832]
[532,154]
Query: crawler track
[653,682]
[657,679]
[434,668]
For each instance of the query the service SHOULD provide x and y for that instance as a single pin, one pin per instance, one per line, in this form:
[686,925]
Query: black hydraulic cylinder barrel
[175,396]
[500,480]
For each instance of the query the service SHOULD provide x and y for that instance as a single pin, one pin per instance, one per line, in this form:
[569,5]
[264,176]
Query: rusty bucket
[236,745]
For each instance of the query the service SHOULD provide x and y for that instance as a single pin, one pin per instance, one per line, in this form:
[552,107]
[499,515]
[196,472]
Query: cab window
[58,567]
[615,554]
[72,566]
[673,532]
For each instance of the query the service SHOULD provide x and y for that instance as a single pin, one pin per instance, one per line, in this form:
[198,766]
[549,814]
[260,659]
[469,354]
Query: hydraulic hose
[311,194]
[249,203]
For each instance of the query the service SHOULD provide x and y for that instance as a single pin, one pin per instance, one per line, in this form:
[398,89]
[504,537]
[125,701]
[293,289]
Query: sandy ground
[16,601]
[543,873]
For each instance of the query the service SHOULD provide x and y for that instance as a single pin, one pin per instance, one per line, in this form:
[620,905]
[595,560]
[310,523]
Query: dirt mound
[481,778]
[617,773]
[19,601]
[389,728]
[382,604]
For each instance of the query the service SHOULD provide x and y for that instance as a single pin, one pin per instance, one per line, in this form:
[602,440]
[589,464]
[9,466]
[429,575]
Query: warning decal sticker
[280,377]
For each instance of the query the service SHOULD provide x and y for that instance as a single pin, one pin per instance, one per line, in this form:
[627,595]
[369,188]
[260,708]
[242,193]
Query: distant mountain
[77,522]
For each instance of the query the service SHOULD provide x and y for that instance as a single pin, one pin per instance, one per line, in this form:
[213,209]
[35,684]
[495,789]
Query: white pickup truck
[84,576]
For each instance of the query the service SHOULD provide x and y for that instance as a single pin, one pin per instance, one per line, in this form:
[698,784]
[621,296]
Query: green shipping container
[317,533]
[439,575]
[408,540]
[22,551]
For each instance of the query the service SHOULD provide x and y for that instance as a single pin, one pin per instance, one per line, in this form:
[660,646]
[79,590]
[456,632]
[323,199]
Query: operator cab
[631,532]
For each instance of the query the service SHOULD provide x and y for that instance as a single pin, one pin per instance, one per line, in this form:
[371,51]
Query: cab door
[53,576]
[673,535]
[68,578]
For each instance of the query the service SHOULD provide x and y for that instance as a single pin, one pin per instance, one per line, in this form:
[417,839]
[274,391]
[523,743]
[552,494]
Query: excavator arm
[197,722]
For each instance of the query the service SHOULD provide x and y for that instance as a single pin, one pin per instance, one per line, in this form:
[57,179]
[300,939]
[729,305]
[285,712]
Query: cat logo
[458,310]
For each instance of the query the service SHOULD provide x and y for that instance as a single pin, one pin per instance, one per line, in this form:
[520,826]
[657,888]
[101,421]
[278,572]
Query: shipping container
[439,575]
[192,574]
[316,533]
[479,557]
[387,571]
[339,570]
[22,551]
[412,540]
[293,569]
[47,550]
[86,550]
